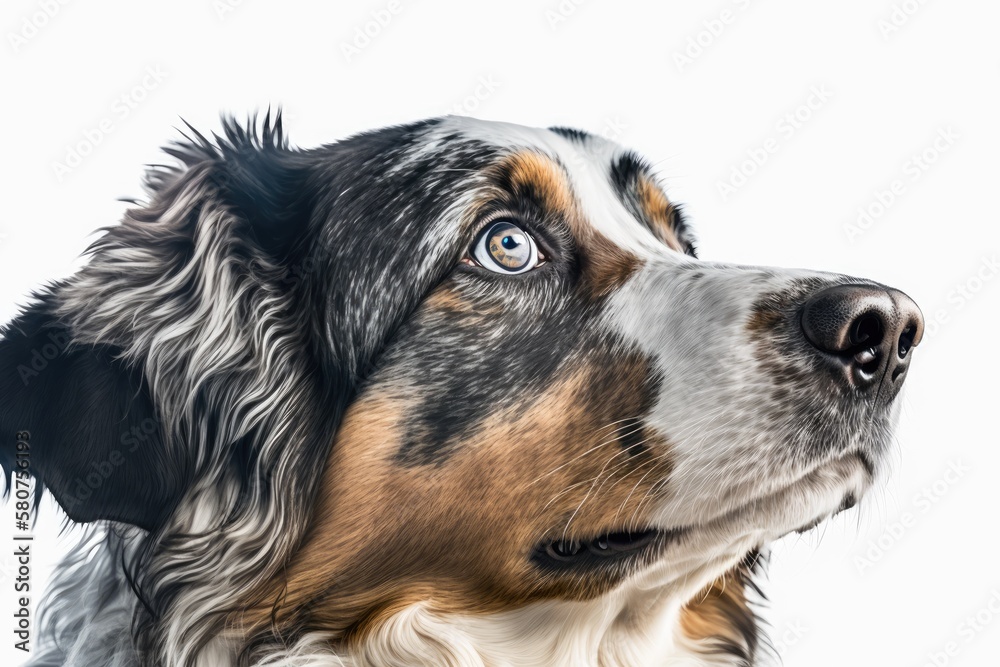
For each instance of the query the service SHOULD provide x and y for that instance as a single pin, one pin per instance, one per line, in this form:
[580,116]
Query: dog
[454,393]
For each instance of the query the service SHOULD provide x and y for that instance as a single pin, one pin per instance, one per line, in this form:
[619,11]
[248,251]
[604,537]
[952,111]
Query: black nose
[866,330]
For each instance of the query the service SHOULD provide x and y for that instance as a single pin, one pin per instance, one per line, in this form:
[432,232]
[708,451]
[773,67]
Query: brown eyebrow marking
[529,173]
[605,266]
[660,211]
[643,196]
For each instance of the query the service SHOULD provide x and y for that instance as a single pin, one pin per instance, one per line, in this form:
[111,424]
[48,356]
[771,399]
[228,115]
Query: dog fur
[335,437]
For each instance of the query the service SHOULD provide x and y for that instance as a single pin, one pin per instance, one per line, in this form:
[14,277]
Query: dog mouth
[866,463]
[645,545]
[605,550]
[847,500]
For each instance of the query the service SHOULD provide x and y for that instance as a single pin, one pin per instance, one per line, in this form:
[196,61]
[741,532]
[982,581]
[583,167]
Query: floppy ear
[176,355]
[86,423]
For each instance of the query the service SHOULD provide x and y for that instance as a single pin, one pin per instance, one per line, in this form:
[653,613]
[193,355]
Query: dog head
[441,389]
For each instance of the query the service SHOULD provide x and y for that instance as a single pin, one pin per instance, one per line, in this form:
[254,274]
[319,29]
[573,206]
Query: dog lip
[847,502]
[809,526]
[613,547]
[866,463]
[861,458]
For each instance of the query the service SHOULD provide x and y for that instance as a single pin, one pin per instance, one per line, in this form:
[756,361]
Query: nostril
[906,340]
[864,332]
[866,335]
[868,330]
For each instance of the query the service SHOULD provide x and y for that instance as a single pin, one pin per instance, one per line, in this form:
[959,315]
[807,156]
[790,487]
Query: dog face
[459,374]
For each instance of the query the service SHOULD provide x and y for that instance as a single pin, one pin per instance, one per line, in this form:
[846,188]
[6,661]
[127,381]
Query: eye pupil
[505,247]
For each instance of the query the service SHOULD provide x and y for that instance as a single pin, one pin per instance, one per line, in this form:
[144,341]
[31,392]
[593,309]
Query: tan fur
[659,211]
[606,266]
[544,176]
[459,535]
[720,618]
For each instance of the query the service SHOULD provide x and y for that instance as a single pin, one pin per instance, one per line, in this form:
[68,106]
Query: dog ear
[82,423]
[255,173]
[174,355]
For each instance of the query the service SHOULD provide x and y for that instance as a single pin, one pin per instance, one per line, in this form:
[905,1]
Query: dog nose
[868,330]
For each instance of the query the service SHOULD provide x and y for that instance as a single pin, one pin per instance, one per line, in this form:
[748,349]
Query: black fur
[571,133]
[330,243]
[625,174]
[87,413]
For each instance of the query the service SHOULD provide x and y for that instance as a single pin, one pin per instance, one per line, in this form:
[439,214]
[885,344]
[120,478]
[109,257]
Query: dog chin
[703,552]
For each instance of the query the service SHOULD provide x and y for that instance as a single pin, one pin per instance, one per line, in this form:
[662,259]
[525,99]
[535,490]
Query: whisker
[592,449]
[634,487]
[573,515]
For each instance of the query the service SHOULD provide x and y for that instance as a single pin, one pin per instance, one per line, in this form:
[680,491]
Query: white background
[895,79]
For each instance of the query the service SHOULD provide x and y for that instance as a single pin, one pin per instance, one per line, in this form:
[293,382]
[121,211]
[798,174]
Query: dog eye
[503,247]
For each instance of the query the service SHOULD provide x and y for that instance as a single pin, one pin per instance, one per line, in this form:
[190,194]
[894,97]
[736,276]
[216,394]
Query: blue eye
[503,247]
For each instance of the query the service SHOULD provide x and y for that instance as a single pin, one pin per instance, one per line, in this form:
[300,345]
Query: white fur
[585,165]
[708,409]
